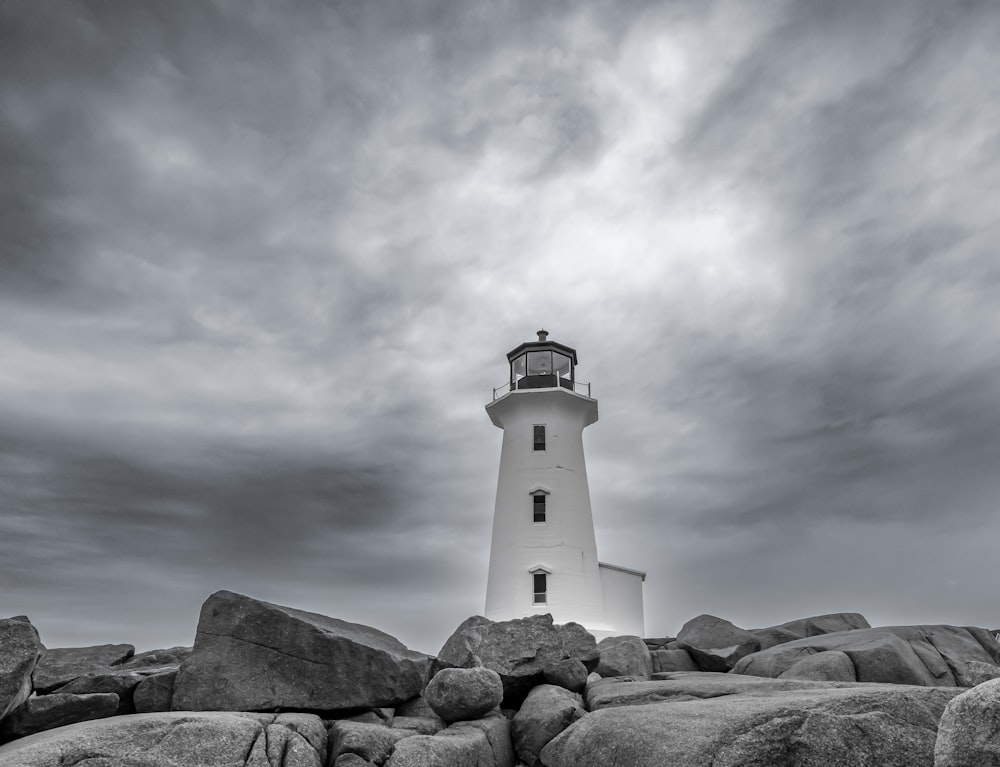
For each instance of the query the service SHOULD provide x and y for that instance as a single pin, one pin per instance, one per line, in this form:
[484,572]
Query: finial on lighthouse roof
[543,335]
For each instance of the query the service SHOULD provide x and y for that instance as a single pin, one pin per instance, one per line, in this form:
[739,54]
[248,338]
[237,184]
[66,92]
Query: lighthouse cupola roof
[542,364]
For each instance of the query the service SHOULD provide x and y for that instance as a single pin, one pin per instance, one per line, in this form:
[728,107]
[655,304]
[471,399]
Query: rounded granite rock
[569,673]
[969,730]
[461,694]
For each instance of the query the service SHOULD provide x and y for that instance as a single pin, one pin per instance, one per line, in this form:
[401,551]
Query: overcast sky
[262,262]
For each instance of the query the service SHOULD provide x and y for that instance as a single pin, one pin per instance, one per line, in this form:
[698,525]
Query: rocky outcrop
[715,644]
[46,712]
[250,655]
[546,712]
[805,724]
[624,656]
[969,732]
[61,665]
[177,739]
[518,650]
[919,655]
[800,704]
[19,651]
[458,694]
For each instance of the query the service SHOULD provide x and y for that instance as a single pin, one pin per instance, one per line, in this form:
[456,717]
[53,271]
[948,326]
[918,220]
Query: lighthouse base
[623,608]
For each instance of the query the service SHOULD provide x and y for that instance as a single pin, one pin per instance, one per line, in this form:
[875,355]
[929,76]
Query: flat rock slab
[889,726]
[177,739]
[19,650]
[46,712]
[61,665]
[609,693]
[255,656]
[932,656]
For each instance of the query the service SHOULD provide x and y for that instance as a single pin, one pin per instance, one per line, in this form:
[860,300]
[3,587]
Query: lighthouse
[543,556]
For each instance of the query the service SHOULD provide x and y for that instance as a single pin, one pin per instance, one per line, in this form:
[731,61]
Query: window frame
[538,428]
[539,597]
[538,498]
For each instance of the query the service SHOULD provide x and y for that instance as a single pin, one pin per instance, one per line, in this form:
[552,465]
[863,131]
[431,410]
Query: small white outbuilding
[543,557]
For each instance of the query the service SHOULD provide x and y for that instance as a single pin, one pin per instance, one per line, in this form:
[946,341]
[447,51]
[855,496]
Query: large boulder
[61,665]
[969,732]
[933,656]
[885,725]
[46,712]
[547,711]
[251,655]
[624,656]
[715,644]
[177,739]
[459,694]
[19,651]
[518,650]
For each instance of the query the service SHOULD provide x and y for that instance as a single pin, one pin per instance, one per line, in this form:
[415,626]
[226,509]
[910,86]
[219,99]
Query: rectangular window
[541,588]
[539,436]
[539,504]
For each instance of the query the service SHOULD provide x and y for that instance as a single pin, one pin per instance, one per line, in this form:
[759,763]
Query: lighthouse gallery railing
[533,382]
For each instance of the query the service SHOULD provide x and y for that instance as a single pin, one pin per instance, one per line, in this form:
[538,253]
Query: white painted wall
[565,543]
[623,608]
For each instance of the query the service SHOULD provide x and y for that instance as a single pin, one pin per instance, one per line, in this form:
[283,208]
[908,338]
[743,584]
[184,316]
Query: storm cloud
[260,266]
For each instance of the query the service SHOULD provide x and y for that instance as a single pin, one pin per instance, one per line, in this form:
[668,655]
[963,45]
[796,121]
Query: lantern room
[542,364]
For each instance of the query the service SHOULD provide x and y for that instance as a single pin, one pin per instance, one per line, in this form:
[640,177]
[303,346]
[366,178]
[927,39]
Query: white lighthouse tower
[543,557]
